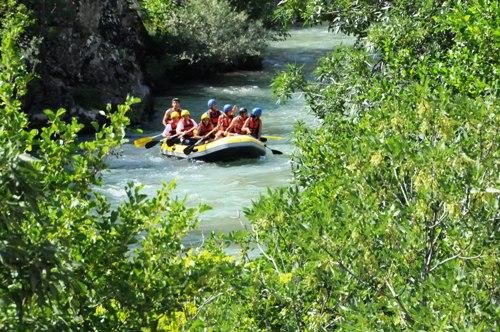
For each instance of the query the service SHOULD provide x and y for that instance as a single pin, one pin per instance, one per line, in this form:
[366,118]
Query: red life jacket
[188,124]
[174,127]
[224,122]
[238,125]
[253,125]
[214,116]
[204,129]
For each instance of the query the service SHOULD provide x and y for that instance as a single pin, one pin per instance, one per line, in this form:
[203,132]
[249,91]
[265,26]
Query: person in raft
[170,130]
[185,128]
[205,130]
[212,112]
[176,107]
[238,122]
[224,121]
[253,125]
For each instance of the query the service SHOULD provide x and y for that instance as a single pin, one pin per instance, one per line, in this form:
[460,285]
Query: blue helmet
[227,108]
[257,111]
[211,103]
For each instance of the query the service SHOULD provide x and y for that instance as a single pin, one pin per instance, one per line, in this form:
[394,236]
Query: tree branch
[405,314]
[451,258]
[207,301]
[263,251]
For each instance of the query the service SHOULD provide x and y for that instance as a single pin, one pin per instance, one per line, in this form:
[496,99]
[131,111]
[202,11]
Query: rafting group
[226,135]
[214,124]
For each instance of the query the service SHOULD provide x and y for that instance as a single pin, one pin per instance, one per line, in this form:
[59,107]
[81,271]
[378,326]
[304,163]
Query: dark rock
[91,56]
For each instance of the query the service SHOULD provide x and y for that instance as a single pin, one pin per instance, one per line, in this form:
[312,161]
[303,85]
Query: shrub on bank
[205,35]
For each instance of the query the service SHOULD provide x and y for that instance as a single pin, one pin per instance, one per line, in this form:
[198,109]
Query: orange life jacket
[224,122]
[253,125]
[214,116]
[204,129]
[188,124]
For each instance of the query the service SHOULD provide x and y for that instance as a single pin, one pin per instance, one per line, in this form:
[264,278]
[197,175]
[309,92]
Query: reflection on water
[227,187]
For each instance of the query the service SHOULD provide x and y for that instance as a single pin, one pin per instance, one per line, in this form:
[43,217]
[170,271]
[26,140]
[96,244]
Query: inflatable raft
[224,149]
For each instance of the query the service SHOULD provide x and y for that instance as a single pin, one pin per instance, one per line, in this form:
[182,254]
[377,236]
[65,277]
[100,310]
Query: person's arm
[180,127]
[186,132]
[245,127]
[166,116]
[181,130]
[214,130]
[260,129]
[196,132]
[166,131]
[231,125]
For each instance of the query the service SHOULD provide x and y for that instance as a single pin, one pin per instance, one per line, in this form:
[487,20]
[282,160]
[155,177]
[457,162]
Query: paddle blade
[149,145]
[273,150]
[263,139]
[188,149]
[276,151]
[140,142]
[171,141]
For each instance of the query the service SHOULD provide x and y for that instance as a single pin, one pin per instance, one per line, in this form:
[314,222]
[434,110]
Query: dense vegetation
[68,260]
[392,222]
[203,37]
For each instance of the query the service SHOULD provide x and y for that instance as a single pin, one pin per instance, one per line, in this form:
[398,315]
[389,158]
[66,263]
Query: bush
[207,35]
[392,222]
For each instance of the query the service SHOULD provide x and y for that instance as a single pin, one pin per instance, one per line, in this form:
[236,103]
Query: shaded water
[227,187]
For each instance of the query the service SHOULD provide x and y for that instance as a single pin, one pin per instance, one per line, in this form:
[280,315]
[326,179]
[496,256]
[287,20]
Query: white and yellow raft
[224,149]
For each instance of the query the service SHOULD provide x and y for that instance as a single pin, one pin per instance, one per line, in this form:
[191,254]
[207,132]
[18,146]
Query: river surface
[227,187]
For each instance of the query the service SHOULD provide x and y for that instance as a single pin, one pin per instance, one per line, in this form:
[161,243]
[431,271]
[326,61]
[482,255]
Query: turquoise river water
[227,187]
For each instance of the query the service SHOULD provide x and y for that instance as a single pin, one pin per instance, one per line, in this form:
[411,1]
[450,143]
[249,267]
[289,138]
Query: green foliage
[455,46]
[392,221]
[288,81]
[395,227]
[213,32]
[453,49]
[259,10]
[156,14]
[205,34]
[70,261]
[350,17]
[342,76]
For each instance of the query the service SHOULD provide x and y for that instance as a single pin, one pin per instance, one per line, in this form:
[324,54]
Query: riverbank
[86,55]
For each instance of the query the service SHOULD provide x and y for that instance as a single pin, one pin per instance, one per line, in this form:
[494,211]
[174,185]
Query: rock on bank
[90,55]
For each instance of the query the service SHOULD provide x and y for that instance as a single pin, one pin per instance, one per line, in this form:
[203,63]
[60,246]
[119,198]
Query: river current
[227,187]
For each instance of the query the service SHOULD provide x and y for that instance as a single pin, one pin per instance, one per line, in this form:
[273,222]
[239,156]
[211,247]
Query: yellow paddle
[140,142]
[276,138]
